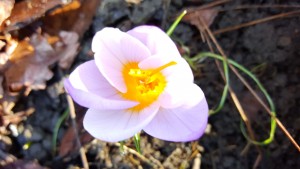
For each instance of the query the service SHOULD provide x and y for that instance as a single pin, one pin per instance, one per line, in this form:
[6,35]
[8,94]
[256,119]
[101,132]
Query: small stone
[36,151]
[47,144]
[37,135]
[284,41]
[228,161]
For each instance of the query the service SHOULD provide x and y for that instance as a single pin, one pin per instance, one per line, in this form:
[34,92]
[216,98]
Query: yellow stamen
[143,86]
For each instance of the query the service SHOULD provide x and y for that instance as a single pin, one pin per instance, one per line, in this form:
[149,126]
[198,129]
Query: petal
[156,40]
[181,94]
[179,77]
[181,71]
[180,124]
[114,49]
[117,125]
[89,88]
[87,77]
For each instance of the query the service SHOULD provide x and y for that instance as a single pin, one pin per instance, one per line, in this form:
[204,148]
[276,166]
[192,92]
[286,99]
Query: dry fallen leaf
[27,11]
[31,69]
[1,88]
[22,164]
[207,15]
[5,9]
[31,59]
[17,117]
[68,143]
[136,2]
[76,17]
[2,44]
[67,49]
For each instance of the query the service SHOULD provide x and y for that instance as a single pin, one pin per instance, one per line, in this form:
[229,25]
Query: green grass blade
[137,142]
[174,25]
[56,129]
[260,86]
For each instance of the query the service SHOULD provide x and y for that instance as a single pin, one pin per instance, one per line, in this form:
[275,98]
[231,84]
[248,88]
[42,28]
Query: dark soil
[271,50]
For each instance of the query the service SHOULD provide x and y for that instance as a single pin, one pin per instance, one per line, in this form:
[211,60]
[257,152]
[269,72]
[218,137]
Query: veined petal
[87,77]
[117,125]
[180,71]
[113,50]
[94,101]
[179,124]
[181,94]
[178,77]
[155,39]
[90,89]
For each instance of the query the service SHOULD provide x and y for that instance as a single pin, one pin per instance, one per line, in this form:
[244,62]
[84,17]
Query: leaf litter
[30,57]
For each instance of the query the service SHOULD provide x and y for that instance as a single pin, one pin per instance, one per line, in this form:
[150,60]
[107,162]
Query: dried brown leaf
[16,50]
[136,2]
[1,88]
[68,143]
[5,9]
[31,59]
[2,44]
[31,69]
[26,11]
[22,164]
[68,47]
[16,118]
[207,15]
[76,17]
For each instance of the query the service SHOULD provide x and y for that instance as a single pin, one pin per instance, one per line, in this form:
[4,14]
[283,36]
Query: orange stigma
[144,86]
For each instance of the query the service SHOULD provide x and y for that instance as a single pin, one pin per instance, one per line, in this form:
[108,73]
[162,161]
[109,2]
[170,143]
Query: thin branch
[254,94]
[73,119]
[232,93]
[242,7]
[258,21]
[151,162]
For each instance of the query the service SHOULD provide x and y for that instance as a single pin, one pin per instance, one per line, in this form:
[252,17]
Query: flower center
[143,86]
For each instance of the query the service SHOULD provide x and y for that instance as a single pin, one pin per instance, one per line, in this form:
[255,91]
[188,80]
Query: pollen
[143,86]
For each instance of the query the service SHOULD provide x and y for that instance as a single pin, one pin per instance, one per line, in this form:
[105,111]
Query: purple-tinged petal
[179,124]
[94,101]
[178,76]
[155,39]
[113,50]
[181,71]
[117,125]
[186,95]
[90,89]
[87,77]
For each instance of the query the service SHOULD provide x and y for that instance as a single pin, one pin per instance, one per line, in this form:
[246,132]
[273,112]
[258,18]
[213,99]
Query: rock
[36,151]
[144,11]
[284,41]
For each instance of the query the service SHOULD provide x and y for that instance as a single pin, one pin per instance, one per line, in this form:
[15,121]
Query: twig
[241,7]
[73,119]
[209,5]
[197,161]
[280,125]
[6,158]
[250,88]
[232,93]
[232,28]
[140,156]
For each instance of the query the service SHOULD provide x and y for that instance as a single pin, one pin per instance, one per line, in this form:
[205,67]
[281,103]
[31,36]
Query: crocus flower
[138,81]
